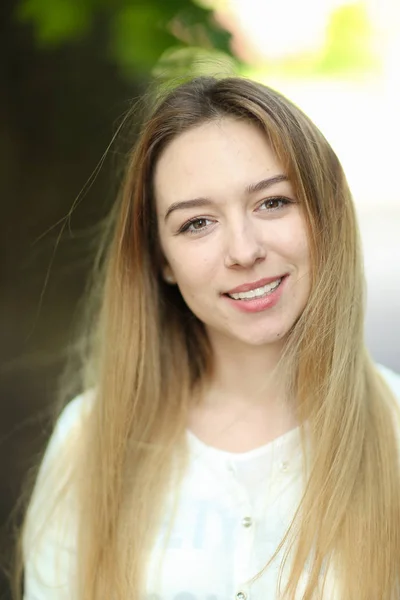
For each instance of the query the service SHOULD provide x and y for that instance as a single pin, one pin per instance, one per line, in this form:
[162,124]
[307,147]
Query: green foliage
[139,32]
[201,29]
[138,36]
[55,21]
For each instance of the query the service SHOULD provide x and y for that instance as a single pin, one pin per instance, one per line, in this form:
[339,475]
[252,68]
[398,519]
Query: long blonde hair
[146,354]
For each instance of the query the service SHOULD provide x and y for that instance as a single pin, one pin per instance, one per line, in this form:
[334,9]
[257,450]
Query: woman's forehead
[215,158]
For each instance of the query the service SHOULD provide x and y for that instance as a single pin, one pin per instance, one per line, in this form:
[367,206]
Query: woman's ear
[168,275]
[166,271]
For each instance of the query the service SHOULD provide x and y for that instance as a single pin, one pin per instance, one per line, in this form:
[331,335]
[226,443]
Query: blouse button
[247,522]
[284,465]
[240,596]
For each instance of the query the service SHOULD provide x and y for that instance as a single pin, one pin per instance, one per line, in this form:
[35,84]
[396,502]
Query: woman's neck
[243,404]
[246,373]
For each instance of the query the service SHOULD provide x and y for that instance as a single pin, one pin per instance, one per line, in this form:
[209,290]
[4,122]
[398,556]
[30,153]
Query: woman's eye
[274,203]
[195,225]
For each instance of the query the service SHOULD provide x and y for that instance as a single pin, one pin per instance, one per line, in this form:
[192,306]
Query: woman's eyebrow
[202,202]
[195,202]
[266,183]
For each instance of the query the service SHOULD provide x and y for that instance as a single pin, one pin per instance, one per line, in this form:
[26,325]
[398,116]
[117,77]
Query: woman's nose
[243,246]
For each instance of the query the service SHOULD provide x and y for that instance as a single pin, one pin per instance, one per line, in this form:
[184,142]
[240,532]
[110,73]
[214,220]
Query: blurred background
[70,71]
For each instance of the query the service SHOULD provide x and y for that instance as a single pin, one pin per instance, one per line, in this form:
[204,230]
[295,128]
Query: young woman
[236,441]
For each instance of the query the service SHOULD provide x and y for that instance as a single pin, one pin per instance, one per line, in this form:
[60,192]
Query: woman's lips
[254,305]
[247,287]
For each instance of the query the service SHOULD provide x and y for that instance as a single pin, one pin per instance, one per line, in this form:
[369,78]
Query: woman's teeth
[257,293]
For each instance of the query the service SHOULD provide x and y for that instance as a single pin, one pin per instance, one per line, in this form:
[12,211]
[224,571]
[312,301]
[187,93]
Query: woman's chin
[258,338]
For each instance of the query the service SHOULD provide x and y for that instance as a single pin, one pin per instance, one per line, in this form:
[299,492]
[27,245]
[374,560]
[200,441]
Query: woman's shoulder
[392,379]
[74,411]
[50,528]
[70,418]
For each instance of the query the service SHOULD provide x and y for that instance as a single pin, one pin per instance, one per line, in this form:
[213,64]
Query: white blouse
[233,511]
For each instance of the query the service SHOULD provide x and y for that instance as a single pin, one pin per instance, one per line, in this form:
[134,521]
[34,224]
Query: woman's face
[232,232]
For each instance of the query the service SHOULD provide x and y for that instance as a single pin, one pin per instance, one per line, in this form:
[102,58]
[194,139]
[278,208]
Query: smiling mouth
[257,292]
